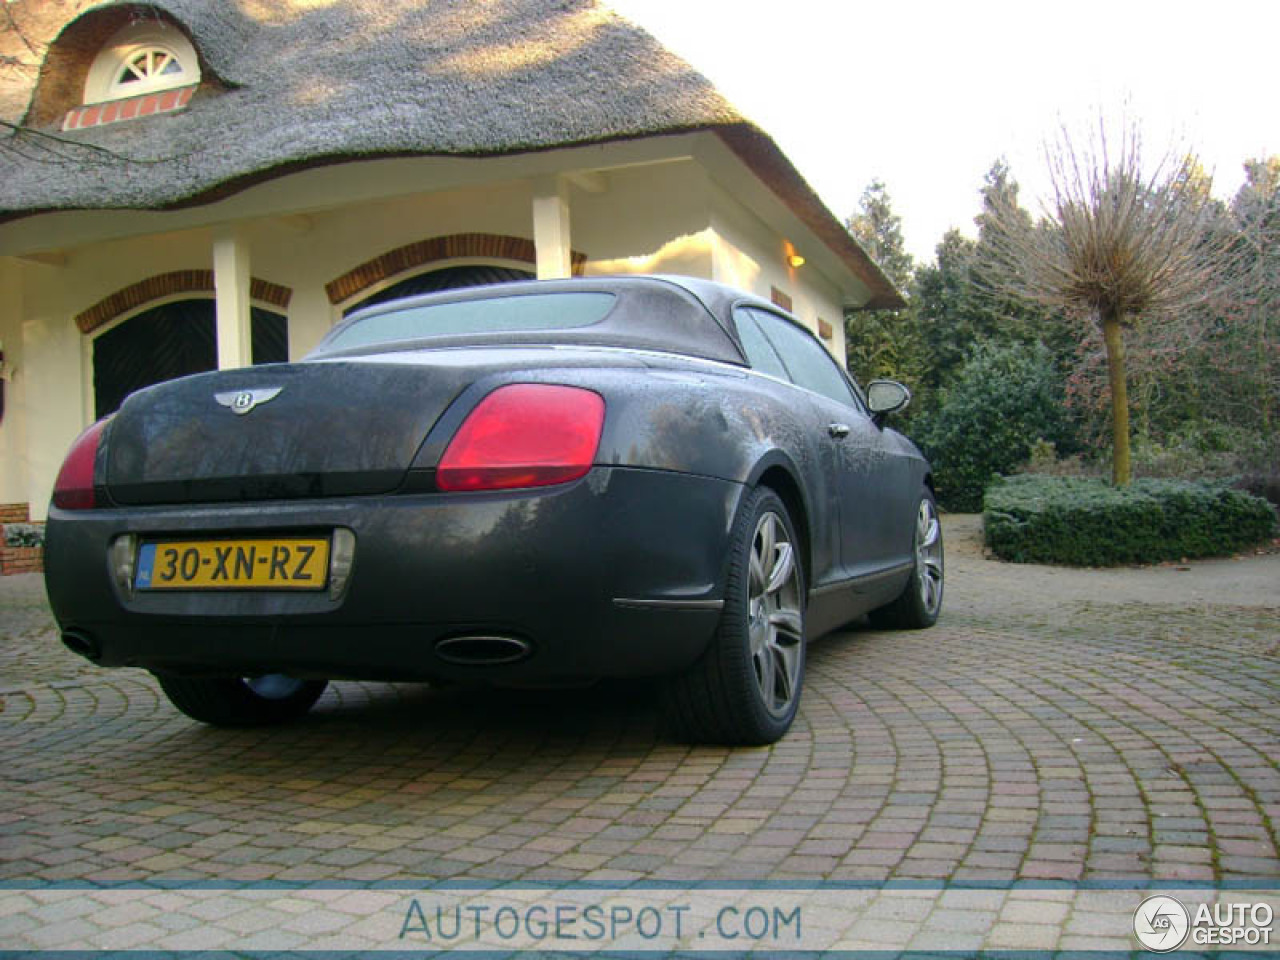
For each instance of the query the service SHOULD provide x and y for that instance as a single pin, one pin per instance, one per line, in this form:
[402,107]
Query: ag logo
[242,401]
[1161,924]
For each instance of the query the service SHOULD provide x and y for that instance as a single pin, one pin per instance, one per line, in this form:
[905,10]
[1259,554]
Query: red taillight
[73,489]
[524,435]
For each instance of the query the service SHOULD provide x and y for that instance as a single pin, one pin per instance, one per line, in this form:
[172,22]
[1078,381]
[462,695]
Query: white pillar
[311,316]
[14,482]
[231,287]
[551,228]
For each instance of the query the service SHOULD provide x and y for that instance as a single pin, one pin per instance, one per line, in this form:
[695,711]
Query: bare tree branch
[50,146]
[13,25]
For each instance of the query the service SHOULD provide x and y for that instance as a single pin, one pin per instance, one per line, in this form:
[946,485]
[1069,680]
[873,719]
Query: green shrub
[1004,400]
[1086,522]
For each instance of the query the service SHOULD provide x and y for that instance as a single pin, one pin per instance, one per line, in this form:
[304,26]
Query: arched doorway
[450,278]
[172,340]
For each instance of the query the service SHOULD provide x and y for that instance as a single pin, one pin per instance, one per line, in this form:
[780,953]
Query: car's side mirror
[885,397]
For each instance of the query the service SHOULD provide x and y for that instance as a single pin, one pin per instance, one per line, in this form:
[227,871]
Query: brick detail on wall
[20,559]
[411,256]
[780,299]
[15,513]
[100,114]
[167,285]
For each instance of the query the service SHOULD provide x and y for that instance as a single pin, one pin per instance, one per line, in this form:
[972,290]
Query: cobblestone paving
[1055,725]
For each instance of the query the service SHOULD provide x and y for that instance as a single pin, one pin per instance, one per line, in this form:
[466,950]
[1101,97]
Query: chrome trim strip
[865,578]
[627,602]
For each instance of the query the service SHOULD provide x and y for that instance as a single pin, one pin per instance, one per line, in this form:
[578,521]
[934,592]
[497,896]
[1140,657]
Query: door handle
[838,431]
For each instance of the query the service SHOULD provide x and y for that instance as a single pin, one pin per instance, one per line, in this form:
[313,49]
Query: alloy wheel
[776,625]
[929,557]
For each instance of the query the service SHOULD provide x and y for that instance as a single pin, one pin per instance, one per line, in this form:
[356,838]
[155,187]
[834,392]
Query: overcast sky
[926,95]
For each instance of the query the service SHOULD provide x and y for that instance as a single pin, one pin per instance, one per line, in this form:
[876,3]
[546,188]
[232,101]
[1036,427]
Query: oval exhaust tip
[475,650]
[77,641]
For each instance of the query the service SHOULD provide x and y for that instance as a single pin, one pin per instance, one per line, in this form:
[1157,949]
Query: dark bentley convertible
[532,484]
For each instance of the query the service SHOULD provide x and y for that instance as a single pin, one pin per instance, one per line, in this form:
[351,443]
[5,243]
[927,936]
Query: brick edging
[166,285]
[449,247]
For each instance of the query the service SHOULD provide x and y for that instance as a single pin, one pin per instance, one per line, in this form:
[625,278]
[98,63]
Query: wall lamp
[794,260]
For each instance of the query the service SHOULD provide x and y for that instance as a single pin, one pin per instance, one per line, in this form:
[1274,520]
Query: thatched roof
[294,83]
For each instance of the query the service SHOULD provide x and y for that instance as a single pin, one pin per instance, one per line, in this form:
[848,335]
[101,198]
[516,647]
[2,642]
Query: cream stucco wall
[649,219]
[749,255]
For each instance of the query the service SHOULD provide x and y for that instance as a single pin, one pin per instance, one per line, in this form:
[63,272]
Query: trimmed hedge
[1086,522]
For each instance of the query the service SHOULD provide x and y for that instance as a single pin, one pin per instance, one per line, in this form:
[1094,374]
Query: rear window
[539,311]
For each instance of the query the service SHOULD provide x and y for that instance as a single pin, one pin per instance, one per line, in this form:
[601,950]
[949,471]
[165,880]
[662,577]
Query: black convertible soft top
[666,314]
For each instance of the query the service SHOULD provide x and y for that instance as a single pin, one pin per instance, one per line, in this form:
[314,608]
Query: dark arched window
[168,341]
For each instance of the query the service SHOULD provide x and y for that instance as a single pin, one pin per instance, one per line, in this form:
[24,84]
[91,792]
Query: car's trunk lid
[332,429]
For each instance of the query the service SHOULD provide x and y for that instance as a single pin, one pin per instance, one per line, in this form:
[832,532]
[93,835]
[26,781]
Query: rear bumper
[617,575]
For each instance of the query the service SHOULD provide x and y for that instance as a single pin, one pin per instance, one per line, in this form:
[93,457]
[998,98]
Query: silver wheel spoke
[932,581]
[789,663]
[788,622]
[765,673]
[766,537]
[783,567]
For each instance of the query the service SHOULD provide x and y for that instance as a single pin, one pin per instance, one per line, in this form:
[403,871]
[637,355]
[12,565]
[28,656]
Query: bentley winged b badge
[242,401]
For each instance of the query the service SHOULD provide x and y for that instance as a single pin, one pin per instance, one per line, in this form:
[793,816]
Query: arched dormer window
[144,57]
[147,67]
[153,68]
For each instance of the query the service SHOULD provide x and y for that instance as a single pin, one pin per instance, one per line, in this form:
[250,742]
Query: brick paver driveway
[1079,725]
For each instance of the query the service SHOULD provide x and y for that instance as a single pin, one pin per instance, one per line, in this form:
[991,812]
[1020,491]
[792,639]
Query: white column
[551,228]
[14,482]
[231,287]
[311,316]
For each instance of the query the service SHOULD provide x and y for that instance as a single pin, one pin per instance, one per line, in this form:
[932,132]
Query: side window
[806,360]
[759,352]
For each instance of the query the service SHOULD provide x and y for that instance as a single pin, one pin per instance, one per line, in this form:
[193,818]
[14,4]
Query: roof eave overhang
[747,143]
[763,157]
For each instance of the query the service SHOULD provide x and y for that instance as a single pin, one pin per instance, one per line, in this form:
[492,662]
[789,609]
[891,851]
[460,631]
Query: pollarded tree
[1117,244]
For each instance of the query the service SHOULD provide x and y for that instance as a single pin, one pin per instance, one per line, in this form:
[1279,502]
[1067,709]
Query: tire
[242,702]
[920,602]
[745,689]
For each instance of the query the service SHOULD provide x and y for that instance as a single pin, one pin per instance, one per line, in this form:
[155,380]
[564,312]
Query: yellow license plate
[281,563]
